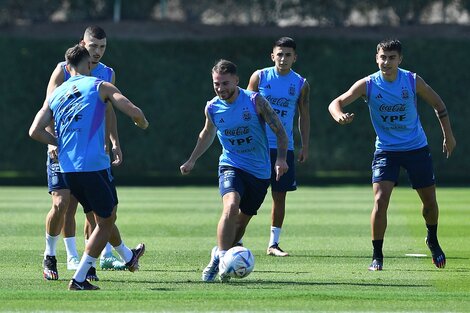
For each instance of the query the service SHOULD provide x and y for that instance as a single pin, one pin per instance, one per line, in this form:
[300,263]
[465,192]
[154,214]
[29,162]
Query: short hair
[224,67]
[390,45]
[76,55]
[285,42]
[95,32]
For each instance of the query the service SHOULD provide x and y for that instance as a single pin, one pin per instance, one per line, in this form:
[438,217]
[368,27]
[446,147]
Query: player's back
[79,123]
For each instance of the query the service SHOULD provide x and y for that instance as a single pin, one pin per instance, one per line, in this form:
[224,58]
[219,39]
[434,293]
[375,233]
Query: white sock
[51,244]
[221,253]
[108,249]
[124,252]
[85,264]
[275,234]
[71,247]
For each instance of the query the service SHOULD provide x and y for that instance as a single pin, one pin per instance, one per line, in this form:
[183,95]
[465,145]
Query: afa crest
[246,115]
[405,94]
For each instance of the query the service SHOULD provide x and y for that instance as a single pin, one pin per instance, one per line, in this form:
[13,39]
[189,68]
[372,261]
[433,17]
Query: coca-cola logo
[282,102]
[237,131]
[392,108]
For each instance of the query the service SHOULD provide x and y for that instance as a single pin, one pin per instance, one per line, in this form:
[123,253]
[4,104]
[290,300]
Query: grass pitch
[326,230]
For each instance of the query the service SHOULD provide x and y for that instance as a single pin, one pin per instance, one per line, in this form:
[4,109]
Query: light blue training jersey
[79,115]
[393,111]
[283,93]
[101,71]
[242,134]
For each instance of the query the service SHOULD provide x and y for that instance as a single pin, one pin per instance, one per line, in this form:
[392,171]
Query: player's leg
[54,222]
[98,239]
[68,232]
[378,221]
[279,190]
[278,212]
[130,256]
[421,174]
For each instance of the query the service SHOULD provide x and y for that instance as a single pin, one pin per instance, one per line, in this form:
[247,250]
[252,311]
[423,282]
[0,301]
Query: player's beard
[229,95]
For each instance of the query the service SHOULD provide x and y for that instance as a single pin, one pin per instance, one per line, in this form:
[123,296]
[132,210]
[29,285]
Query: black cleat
[50,268]
[133,264]
[438,256]
[85,285]
[91,275]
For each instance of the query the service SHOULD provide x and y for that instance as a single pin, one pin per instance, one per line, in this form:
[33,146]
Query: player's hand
[303,155]
[448,146]
[142,123]
[53,152]
[345,118]
[186,167]
[281,168]
[116,154]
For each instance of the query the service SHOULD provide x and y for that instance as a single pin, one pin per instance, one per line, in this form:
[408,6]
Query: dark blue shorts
[94,190]
[55,179]
[418,164]
[287,181]
[252,190]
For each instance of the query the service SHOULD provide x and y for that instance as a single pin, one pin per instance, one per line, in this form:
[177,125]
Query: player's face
[225,86]
[283,58]
[388,62]
[96,47]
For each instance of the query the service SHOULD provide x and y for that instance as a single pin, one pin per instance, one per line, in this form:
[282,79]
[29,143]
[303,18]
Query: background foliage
[170,81]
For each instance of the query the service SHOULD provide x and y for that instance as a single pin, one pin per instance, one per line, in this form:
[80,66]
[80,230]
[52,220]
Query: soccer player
[238,118]
[78,109]
[286,92]
[391,94]
[94,39]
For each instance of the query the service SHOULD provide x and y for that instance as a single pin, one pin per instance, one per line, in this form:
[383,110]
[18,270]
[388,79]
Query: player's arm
[304,121]
[433,99]
[109,92]
[204,141]
[112,132]
[56,79]
[270,117]
[336,106]
[38,131]
[254,82]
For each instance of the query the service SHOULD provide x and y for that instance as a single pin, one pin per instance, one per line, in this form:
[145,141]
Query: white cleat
[72,263]
[211,270]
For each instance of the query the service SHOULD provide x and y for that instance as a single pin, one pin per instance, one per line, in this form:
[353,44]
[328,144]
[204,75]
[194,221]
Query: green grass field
[326,231]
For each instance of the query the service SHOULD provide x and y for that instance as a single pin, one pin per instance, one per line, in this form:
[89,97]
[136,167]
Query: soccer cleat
[223,275]
[85,285]
[133,264]
[438,256]
[50,268]
[91,275]
[110,262]
[376,265]
[275,250]
[72,263]
[211,270]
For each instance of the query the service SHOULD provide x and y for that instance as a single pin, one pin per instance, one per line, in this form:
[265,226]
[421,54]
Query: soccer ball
[238,262]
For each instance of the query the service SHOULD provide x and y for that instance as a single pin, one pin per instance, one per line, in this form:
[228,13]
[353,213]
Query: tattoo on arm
[442,113]
[268,114]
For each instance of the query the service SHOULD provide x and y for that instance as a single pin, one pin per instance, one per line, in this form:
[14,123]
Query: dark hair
[390,45]
[285,42]
[95,32]
[224,67]
[75,55]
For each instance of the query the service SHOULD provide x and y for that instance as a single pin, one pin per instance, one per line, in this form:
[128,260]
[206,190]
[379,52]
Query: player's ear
[272,57]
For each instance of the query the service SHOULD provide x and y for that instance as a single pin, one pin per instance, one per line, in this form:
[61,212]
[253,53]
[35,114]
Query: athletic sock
[85,264]
[124,252]
[51,244]
[108,249]
[377,244]
[71,247]
[432,234]
[275,234]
